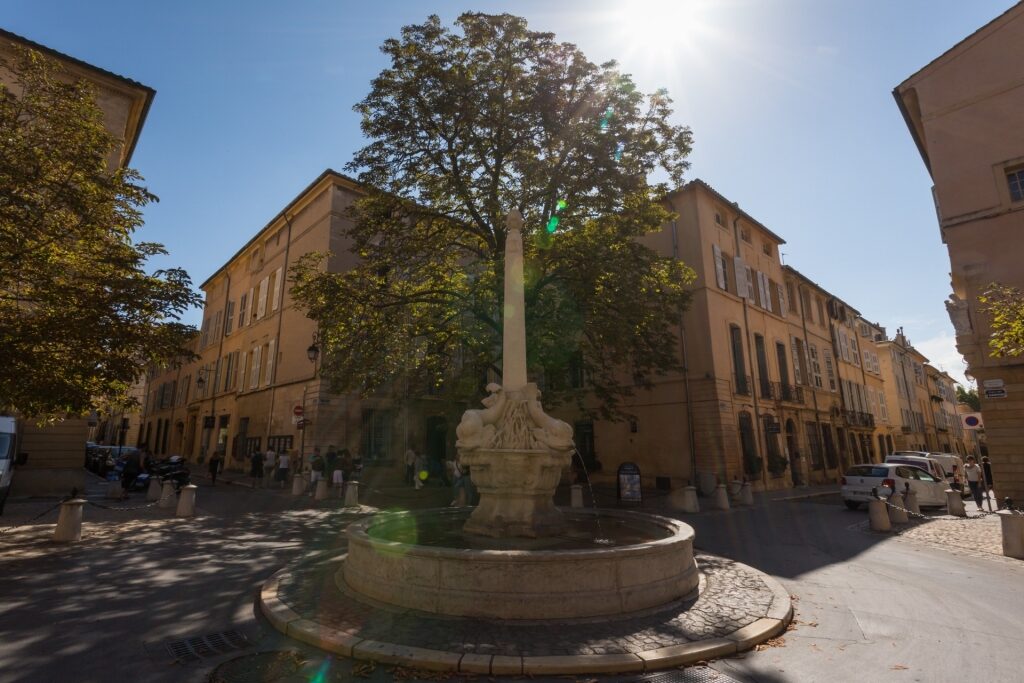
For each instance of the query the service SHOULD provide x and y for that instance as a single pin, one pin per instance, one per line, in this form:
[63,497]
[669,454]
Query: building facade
[56,452]
[962,112]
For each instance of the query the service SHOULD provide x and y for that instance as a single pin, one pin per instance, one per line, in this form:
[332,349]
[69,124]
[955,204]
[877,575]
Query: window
[242,310]
[252,305]
[766,247]
[261,306]
[742,280]
[256,260]
[745,234]
[738,366]
[229,318]
[280,443]
[762,367]
[821,312]
[718,218]
[254,371]
[829,369]
[805,299]
[789,293]
[1015,179]
[815,366]
[763,298]
[721,273]
[278,289]
[269,378]
[780,357]
[799,371]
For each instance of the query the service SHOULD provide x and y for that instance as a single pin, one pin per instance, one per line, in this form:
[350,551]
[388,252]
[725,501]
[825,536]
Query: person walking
[269,467]
[256,468]
[215,461]
[986,469]
[974,479]
[132,468]
[410,466]
[316,470]
[282,468]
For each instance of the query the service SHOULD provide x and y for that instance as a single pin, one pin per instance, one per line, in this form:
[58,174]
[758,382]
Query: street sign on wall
[995,393]
[972,421]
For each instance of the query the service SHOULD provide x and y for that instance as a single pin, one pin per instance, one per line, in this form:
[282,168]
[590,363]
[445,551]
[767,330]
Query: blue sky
[789,101]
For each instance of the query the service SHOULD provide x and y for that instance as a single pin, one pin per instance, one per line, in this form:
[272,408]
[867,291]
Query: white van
[8,450]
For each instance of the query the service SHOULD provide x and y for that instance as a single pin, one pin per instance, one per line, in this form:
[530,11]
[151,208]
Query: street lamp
[313,352]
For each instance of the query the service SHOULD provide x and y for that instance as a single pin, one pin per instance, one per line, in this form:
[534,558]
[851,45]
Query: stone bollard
[187,501]
[114,489]
[685,499]
[735,487]
[298,485]
[747,494]
[69,523]
[721,499]
[955,504]
[321,489]
[911,502]
[352,494]
[1013,533]
[897,513]
[167,498]
[153,493]
[878,516]
[576,495]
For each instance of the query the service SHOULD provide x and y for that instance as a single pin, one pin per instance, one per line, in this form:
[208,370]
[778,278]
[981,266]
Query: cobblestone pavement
[733,597]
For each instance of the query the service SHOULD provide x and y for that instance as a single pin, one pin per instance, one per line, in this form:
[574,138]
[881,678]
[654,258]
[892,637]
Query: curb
[347,644]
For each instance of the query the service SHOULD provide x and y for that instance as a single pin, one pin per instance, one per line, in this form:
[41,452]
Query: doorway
[793,449]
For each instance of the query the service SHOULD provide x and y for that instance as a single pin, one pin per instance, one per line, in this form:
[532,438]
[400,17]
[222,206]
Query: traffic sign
[972,421]
[302,424]
[298,411]
[995,393]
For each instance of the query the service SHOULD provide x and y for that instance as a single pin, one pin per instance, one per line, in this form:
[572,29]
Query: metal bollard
[897,513]
[878,516]
[69,523]
[576,495]
[955,504]
[721,499]
[1012,526]
[352,494]
[747,494]
[153,493]
[298,485]
[187,502]
[911,502]
[167,499]
[321,489]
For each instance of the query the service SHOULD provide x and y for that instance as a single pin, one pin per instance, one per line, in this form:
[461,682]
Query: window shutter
[750,283]
[229,318]
[716,253]
[741,278]
[261,307]
[278,288]
[798,376]
[829,368]
[254,373]
[252,304]
[783,301]
[241,371]
[270,363]
[242,310]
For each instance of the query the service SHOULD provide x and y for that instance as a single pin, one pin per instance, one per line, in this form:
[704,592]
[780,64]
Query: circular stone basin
[606,563]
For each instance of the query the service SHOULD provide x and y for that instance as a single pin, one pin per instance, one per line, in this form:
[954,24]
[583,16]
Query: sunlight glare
[656,34]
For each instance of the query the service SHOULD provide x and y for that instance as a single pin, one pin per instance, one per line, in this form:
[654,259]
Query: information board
[629,483]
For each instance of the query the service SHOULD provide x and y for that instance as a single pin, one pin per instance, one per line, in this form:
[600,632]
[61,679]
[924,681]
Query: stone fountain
[517,556]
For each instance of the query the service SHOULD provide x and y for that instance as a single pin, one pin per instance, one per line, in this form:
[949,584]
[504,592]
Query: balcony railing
[790,393]
[741,385]
[856,418]
[766,389]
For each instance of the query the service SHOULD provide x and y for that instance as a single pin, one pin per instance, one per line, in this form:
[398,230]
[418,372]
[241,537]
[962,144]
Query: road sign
[992,384]
[302,424]
[972,421]
[995,393]
[297,411]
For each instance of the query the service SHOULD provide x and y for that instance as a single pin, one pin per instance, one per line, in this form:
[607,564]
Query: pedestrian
[420,463]
[316,470]
[974,479]
[215,461]
[330,462]
[256,468]
[346,464]
[986,469]
[282,467]
[269,467]
[132,467]
[410,466]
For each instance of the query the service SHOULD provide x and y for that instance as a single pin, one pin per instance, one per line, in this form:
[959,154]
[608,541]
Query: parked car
[953,466]
[859,480]
[933,467]
[945,466]
[9,455]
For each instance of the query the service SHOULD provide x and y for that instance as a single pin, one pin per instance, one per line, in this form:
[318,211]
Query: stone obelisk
[513,365]
[515,452]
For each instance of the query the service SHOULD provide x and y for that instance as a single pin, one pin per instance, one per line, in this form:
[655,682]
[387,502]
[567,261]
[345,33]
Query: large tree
[463,126]
[1005,305]
[80,316]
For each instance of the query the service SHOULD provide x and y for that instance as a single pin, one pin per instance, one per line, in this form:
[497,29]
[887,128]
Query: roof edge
[735,205]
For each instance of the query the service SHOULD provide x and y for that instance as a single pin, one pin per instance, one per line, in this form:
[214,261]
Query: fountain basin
[420,560]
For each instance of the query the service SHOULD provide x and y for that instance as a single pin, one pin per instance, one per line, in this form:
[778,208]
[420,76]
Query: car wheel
[852,504]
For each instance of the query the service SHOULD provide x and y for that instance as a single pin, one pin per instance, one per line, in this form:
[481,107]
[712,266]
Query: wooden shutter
[254,373]
[278,288]
[798,375]
[270,362]
[719,265]
[261,307]
[783,301]
[742,285]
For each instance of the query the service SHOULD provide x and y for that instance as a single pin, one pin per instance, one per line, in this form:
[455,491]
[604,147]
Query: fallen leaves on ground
[777,641]
[899,667]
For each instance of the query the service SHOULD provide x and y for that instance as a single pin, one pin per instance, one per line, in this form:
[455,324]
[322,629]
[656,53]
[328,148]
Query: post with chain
[877,514]
[1012,527]
[69,523]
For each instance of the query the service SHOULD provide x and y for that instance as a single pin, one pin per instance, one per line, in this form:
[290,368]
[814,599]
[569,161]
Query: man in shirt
[973,473]
[282,468]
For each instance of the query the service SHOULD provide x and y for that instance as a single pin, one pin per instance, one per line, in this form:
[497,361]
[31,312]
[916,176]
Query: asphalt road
[868,607]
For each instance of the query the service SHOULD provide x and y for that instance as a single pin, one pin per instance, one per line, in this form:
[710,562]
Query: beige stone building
[963,111]
[56,453]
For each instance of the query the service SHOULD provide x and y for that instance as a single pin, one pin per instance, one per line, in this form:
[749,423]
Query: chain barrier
[122,508]
[40,515]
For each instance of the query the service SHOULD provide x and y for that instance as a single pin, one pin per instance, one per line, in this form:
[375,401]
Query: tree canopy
[1005,306]
[79,315]
[970,397]
[463,126]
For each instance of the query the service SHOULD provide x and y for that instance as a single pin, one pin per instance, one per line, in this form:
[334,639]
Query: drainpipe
[280,318]
[686,376]
[220,351]
[750,356]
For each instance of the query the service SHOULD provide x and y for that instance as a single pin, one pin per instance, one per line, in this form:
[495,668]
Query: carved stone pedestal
[516,488]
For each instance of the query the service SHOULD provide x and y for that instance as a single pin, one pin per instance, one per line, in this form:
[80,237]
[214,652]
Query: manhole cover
[262,666]
[193,649]
[691,674]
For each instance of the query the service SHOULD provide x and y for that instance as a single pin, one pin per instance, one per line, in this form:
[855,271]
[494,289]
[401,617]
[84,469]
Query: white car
[859,481]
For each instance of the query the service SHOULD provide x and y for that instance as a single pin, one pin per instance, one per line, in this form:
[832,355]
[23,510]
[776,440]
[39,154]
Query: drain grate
[189,650]
[691,674]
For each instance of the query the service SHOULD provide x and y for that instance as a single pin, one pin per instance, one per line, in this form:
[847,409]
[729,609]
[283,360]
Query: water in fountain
[601,538]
